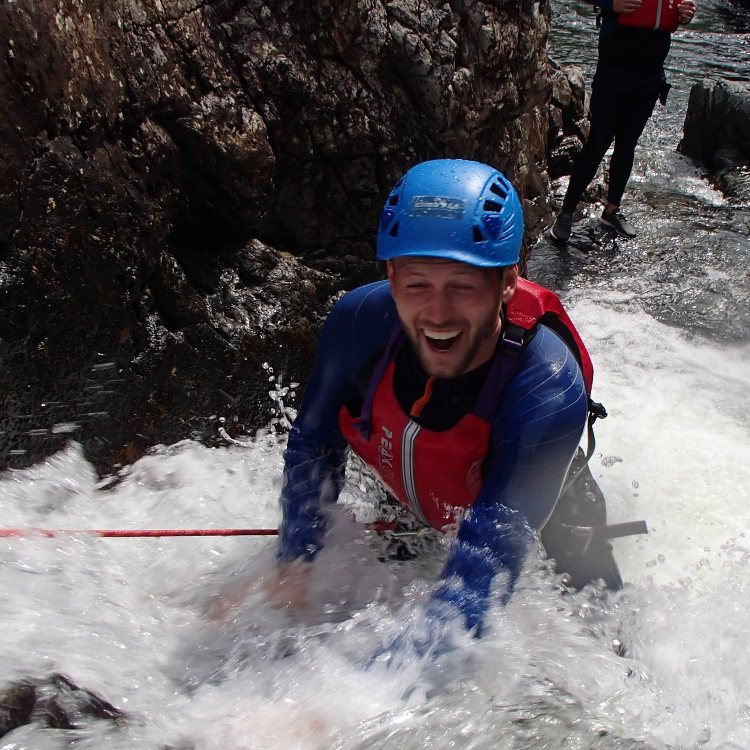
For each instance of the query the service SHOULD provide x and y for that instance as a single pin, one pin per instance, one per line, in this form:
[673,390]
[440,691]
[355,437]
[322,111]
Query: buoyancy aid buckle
[596,411]
[581,537]
[513,338]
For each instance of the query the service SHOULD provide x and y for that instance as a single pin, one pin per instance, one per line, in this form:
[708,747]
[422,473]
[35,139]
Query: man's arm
[315,457]
[535,435]
[313,477]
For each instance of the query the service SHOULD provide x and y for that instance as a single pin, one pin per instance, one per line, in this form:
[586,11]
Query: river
[666,318]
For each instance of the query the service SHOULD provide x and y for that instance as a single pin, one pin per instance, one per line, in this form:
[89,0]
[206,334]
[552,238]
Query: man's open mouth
[441,341]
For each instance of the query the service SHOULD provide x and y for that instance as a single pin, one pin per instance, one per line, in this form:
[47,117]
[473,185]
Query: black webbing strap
[582,536]
[596,411]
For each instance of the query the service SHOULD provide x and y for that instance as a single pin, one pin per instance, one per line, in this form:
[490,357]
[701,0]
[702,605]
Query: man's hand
[229,597]
[287,586]
[626,6]
[429,634]
[686,11]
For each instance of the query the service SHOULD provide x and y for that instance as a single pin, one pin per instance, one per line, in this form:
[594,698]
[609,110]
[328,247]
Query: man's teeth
[441,335]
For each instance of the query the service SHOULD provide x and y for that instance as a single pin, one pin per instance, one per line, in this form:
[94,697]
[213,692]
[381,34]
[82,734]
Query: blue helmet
[454,209]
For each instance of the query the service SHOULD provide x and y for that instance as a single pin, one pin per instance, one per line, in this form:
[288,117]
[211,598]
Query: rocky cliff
[186,184]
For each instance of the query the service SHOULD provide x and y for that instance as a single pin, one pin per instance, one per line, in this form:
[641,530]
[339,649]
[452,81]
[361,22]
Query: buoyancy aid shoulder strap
[533,304]
[502,370]
[363,424]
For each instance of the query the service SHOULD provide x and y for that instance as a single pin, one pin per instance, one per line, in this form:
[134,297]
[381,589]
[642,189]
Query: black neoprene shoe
[561,228]
[616,221]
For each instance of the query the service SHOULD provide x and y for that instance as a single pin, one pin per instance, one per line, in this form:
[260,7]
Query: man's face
[450,311]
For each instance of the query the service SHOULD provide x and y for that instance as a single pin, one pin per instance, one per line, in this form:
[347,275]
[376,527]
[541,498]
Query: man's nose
[439,309]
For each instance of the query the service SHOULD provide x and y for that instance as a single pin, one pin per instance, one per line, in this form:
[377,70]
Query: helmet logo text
[438,206]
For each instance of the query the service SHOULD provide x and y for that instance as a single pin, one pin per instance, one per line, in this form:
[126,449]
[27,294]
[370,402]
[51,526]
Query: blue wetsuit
[534,433]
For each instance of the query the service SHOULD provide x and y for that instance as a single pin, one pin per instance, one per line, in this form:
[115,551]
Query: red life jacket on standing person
[658,15]
[405,455]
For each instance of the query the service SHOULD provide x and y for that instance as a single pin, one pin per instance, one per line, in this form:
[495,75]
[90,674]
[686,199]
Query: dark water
[689,263]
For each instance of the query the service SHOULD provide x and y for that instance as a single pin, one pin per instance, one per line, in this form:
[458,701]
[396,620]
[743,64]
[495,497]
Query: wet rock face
[569,123]
[717,133]
[185,186]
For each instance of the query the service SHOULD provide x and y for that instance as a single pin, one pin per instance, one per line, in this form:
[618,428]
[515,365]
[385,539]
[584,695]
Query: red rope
[136,532]
[375,525]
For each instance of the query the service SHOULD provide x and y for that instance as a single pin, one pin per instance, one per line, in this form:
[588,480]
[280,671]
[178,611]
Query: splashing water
[131,618]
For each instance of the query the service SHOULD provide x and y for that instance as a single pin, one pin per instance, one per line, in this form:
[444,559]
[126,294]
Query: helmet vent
[393,231]
[493,206]
[477,233]
[393,200]
[498,189]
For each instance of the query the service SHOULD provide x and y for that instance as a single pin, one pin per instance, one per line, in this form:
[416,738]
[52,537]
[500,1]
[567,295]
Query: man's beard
[485,331]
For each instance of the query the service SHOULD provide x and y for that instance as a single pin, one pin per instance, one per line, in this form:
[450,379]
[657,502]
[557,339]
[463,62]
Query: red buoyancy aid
[404,454]
[532,304]
[653,14]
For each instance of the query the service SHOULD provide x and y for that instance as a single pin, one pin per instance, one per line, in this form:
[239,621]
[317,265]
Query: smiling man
[449,381]
[450,311]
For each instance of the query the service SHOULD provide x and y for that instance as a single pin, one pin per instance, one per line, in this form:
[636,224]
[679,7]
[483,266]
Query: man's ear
[391,270]
[508,284]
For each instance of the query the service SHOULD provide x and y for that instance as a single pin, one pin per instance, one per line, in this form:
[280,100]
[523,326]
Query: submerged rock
[54,703]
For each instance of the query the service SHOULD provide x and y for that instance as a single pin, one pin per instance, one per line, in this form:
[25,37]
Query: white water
[127,618]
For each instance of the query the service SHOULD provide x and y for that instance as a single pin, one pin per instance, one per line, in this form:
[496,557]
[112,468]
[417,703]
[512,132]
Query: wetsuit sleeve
[534,436]
[315,456]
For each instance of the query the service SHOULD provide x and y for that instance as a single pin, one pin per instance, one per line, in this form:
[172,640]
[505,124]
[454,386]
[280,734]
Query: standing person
[469,420]
[628,81]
